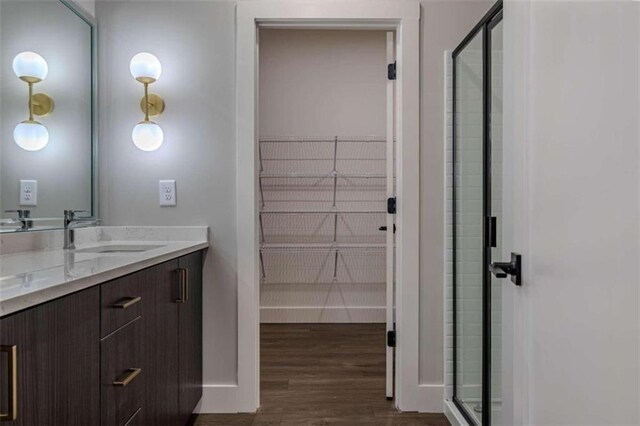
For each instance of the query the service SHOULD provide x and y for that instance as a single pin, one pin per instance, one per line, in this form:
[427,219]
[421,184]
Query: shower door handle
[504,269]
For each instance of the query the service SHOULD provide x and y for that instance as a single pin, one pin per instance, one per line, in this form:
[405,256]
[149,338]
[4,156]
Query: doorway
[403,19]
[477,221]
[326,180]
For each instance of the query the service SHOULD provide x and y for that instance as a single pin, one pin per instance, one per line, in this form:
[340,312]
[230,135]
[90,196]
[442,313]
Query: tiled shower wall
[497,211]
[470,244]
[468,222]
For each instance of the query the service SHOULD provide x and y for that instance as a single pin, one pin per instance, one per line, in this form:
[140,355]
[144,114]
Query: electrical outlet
[167,192]
[28,192]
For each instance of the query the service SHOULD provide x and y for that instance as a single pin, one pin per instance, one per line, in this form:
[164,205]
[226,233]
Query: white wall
[322,83]
[63,167]
[572,331]
[195,42]
[89,6]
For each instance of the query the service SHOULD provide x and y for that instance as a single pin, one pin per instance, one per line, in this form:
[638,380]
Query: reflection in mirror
[47,100]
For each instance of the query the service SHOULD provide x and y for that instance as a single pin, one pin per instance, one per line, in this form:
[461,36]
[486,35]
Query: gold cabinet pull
[183,282]
[127,302]
[186,285]
[12,379]
[132,373]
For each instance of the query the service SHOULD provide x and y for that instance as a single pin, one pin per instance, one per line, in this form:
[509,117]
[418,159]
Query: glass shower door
[495,144]
[477,209]
[468,225]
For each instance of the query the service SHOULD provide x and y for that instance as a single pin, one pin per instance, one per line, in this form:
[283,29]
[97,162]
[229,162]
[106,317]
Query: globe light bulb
[147,136]
[30,67]
[145,67]
[31,135]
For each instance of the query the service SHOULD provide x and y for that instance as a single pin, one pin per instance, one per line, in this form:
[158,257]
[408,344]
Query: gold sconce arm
[151,105]
[30,101]
[40,104]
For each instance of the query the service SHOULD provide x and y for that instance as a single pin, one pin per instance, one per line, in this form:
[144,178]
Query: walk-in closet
[325,153]
[323,176]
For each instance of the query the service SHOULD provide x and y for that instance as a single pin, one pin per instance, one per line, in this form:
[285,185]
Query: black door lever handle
[504,269]
[499,269]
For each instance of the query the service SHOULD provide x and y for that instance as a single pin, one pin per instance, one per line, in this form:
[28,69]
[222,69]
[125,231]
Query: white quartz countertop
[29,278]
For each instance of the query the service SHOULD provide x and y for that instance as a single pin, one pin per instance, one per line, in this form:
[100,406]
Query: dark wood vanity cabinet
[126,352]
[123,371]
[159,288]
[172,317]
[190,337]
[57,362]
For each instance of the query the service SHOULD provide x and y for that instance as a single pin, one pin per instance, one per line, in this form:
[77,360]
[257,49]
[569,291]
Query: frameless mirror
[47,113]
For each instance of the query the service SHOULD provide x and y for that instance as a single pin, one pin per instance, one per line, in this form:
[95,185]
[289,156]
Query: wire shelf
[322,227]
[322,203]
[321,265]
[323,155]
[323,192]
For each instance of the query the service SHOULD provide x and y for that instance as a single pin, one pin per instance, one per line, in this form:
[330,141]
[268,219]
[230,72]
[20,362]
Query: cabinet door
[57,362]
[190,337]
[159,290]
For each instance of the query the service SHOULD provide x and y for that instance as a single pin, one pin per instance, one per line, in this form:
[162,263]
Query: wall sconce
[30,134]
[147,135]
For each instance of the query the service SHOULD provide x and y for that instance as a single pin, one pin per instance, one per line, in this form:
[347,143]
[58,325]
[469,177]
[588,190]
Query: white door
[390,320]
[571,332]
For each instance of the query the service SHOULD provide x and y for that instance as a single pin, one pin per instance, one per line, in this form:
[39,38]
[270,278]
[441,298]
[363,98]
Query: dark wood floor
[323,374]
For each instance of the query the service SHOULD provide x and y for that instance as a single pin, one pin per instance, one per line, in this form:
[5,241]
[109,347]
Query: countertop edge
[27,301]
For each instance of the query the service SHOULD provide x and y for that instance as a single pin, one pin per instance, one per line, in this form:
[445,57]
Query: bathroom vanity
[107,334]
[102,325]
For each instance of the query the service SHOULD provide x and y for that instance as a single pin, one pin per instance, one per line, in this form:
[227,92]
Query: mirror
[48,145]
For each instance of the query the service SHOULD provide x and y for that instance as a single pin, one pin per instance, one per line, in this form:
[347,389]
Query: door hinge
[391,205]
[391,339]
[391,71]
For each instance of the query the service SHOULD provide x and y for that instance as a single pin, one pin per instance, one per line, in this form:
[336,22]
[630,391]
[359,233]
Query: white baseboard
[358,314]
[219,399]
[453,414]
[428,399]
[226,399]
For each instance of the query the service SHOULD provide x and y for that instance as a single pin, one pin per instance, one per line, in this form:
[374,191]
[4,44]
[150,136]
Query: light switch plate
[28,192]
[167,192]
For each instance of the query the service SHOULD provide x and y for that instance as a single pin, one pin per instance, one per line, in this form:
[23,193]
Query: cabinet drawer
[122,375]
[136,419]
[120,303]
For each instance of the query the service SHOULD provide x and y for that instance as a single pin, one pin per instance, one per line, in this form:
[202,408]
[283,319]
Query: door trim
[403,18]
[390,303]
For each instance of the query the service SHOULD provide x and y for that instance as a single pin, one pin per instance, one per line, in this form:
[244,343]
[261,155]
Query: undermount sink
[119,249]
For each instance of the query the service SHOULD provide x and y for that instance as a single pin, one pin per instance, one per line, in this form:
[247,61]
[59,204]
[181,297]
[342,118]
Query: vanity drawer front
[136,419]
[122,375]
[120,303]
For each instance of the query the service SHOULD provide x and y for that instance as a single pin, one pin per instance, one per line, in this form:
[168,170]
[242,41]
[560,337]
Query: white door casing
[390,317]
[402,17]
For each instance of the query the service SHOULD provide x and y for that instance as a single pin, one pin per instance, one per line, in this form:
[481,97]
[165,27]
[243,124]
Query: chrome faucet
[23,218]
[71,222]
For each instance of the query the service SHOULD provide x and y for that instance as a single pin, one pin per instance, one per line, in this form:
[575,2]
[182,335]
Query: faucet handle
[22,213]
[72,213]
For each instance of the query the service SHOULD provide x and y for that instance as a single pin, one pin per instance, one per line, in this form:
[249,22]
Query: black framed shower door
[475,218]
